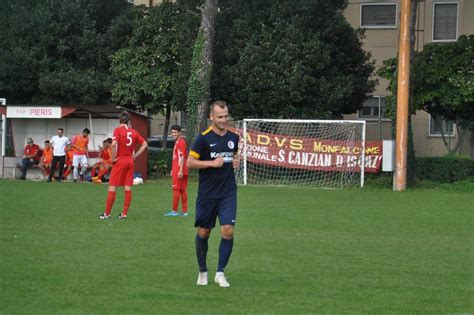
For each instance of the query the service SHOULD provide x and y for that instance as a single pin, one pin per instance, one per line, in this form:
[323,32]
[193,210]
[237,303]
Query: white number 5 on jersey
[129,138]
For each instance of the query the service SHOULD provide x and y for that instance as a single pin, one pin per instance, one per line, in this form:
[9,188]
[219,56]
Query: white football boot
[221,280]
[202,278]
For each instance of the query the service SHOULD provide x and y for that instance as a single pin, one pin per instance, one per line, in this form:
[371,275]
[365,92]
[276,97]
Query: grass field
[296,251]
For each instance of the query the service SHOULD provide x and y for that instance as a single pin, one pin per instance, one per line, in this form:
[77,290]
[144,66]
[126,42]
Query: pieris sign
[34,112]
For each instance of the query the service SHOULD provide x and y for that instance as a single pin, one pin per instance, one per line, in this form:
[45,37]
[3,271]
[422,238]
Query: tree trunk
[184,124]
[167,126]
[443,136]
[201,68]
[461,133]
[207,29]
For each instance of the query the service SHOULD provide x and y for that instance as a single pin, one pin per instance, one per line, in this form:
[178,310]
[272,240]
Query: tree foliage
[290,59]
[152,71]
[57,52]
[442,76]
[444,80]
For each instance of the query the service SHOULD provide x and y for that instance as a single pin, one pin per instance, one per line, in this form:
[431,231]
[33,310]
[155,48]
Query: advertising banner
[312,153]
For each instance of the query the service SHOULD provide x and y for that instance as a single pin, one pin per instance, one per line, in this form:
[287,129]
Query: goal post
[306,153]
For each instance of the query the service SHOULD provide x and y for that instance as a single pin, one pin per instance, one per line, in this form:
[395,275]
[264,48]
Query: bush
[159,163]
[379,180]
[433,172]
[460,186]
[446,169]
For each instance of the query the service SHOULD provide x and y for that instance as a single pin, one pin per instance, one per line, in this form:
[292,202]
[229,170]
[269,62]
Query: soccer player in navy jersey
[215,154]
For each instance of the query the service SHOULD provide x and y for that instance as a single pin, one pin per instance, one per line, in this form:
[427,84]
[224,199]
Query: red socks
[67,171]
[110,202]
[127,201]
[184,200]
[102,172]
[93,171]
[111,199]
[176,195]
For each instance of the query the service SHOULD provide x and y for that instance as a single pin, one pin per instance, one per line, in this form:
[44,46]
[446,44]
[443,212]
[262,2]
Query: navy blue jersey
[216,183]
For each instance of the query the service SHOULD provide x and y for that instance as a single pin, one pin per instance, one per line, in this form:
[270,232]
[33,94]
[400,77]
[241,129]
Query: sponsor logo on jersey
[226,156]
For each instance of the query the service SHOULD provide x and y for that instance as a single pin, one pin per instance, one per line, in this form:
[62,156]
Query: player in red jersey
[179,173]
[104,166]
[46,159]
[68,162]
[123,146]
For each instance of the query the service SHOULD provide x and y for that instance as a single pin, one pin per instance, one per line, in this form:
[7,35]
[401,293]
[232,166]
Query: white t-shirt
[59,144]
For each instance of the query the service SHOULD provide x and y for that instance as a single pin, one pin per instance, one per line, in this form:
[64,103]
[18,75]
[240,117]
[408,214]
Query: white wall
[43,129]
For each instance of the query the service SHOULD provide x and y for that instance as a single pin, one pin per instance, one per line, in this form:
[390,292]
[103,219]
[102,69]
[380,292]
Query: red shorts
[180,183]
[122,172]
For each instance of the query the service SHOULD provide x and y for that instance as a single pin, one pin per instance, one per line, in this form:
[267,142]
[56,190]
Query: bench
[34,172]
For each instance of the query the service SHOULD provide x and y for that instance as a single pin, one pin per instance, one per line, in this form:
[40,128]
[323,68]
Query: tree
[442,83]
[289,59]
[199,81]
[152,71]
[57,52]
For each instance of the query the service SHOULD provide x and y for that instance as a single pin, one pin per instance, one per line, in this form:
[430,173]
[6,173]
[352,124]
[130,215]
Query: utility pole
[3,102]
[402,98]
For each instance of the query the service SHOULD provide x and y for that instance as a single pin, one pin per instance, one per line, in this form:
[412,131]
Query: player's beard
[221,127]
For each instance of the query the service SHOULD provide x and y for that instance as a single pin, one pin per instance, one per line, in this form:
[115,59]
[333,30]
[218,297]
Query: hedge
[159,163]
[446,169]
[454,171]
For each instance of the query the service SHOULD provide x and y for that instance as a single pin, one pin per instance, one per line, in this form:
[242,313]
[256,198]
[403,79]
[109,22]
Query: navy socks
[201,252]
[225,249]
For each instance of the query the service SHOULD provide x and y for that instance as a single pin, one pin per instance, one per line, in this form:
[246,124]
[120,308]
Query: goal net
[304,153]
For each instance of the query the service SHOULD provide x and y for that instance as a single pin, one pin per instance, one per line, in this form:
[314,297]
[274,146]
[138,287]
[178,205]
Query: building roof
[97,111]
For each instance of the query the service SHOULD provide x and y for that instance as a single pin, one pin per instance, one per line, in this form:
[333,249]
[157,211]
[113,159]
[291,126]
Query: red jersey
[106,155]
[127,138]
[80,144]
[179,152]
[69,157]
[47,155]
[30,150]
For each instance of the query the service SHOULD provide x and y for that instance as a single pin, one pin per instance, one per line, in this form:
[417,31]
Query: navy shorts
[207,211]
